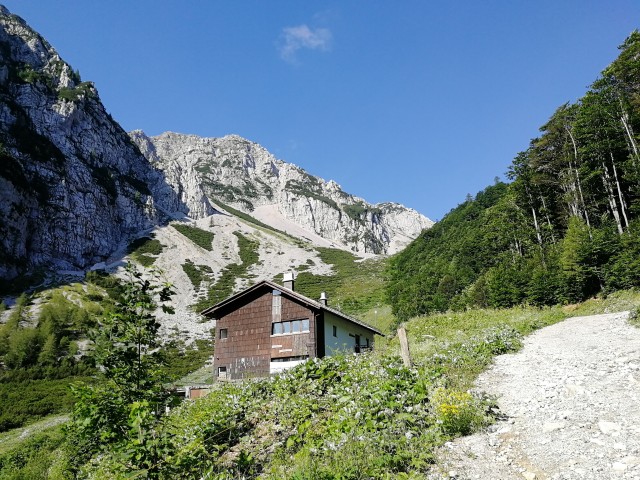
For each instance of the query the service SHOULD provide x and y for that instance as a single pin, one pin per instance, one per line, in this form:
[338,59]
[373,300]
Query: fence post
[404,347]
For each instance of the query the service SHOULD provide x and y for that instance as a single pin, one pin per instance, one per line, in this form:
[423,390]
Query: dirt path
[571,402]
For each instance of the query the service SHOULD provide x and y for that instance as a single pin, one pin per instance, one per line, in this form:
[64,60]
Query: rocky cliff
[237,172]
[72,184]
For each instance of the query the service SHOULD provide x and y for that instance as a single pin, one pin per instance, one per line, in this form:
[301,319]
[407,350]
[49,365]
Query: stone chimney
[287,280]
[323,298]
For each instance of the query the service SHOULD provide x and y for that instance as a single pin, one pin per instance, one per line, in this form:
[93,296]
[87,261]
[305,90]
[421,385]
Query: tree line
[565,228]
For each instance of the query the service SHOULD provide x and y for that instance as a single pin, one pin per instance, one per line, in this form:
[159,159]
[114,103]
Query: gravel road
[571,405]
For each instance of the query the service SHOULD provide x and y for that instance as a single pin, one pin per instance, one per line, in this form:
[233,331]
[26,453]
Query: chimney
[287,280]
[323,299]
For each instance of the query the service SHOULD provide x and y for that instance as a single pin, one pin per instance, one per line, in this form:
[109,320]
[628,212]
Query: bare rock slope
[239,173]
[571,401]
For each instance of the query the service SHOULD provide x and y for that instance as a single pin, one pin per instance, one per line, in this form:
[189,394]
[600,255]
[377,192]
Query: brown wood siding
[249,346]
[295,344]
[246,352]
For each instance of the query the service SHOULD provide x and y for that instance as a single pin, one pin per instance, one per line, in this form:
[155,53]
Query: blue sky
[414,101]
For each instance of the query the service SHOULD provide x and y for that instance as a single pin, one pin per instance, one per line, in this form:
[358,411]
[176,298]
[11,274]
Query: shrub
[197,235]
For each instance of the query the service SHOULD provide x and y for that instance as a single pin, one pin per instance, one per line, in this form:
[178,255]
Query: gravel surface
[570,402]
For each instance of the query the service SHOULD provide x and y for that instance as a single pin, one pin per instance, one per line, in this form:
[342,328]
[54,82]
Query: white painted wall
[277,367]
[343,342]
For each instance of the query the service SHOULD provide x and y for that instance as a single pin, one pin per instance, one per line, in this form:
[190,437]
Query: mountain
[236,172]
[75,188]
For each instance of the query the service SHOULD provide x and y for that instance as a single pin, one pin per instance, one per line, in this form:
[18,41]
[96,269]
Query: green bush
[24,400]
[197,235]
[196,273]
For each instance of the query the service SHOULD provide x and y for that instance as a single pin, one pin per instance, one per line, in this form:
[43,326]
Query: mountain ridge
[238,172]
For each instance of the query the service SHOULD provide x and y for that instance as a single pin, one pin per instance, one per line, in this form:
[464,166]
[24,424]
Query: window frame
[286,327]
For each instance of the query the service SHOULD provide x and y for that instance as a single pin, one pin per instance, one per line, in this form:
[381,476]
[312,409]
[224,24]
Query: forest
[566,227]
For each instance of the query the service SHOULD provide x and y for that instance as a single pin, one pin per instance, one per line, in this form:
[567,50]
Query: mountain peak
[236,172]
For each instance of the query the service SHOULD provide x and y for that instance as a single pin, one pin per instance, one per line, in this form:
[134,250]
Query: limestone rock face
[236,172]
[72,184]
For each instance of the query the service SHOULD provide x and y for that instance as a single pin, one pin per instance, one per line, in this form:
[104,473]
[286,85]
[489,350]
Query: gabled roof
[211,311]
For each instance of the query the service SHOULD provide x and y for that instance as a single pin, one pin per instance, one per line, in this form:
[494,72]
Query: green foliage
[28,75]
[180,360]
[229,193]
[349,417]
[357,211]
[33,458]
[325,419]
[310,188]
[562,231]
[457,412]
[355,285]
[196,273]
[121,410]
[249,219]
[38,354]
[80,91]
[109,283]
[144,250]
[26,396]
[200,237]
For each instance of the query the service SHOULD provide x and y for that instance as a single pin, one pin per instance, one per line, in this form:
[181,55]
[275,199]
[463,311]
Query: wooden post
[404,347]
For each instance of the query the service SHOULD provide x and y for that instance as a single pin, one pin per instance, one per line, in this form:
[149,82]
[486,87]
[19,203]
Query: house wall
[246,352]
[249,347]
[344,341]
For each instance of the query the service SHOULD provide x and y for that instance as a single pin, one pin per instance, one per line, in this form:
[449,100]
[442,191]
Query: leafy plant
[130,385]
[144,250]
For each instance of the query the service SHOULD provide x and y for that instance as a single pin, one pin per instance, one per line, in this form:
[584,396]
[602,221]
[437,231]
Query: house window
[290,359]
[222,372]
[335,331]
[222,334]
[276,306]
[290,326]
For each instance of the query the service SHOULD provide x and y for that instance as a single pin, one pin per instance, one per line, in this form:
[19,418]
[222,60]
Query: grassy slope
[349,416]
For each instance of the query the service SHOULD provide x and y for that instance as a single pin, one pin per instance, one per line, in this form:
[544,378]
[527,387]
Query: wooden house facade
[268,328]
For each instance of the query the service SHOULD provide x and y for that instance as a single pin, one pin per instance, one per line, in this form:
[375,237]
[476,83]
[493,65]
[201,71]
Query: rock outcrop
[239,173]
[73,187]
